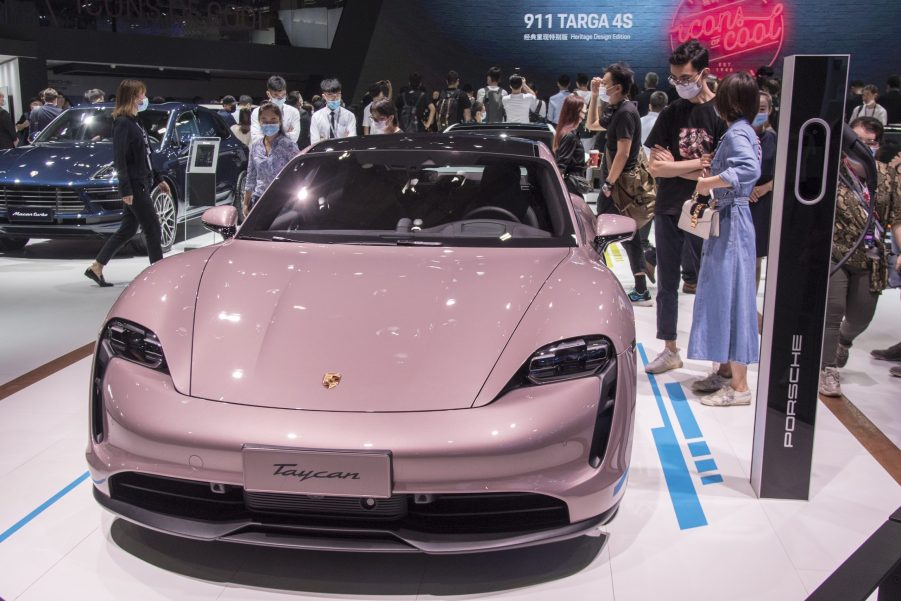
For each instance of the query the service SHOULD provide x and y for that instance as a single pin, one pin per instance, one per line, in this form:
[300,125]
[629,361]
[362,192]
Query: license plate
[30,215]
[309,472]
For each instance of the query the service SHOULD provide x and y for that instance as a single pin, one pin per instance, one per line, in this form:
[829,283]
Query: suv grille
[43,197]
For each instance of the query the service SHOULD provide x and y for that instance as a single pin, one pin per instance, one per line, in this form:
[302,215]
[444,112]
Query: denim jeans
[669,239]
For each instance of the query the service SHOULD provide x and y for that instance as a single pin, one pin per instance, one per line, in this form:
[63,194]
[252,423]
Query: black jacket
[8,133]
[570,155]
[131,152]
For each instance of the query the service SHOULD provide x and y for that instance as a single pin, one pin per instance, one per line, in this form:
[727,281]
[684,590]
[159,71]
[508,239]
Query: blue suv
[64,185]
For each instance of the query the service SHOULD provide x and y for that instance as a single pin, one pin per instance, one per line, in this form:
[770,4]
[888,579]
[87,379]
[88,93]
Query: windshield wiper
[407,240]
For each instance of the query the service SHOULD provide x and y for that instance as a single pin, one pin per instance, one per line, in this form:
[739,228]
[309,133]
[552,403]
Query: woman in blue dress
[724,328]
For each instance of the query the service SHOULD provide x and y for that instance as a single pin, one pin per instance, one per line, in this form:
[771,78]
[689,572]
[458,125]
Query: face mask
[688,90]
[334,105]
[760,119]
[279,102]
[378,127]
[602,94]
[143,106]
[873,150]
[269,129]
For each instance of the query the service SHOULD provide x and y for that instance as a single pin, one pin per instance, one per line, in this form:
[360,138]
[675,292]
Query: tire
[166,208]
[239,196]
[12,244]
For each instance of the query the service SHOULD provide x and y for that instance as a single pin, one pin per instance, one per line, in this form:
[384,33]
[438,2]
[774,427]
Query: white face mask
[602,94]
[279,102]
[378,127]
[688,90]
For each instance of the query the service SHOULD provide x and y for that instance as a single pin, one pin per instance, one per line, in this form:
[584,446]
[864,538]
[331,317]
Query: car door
[228,165]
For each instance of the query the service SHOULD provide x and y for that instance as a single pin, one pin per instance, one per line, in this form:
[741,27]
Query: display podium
[200,175]
[797,277]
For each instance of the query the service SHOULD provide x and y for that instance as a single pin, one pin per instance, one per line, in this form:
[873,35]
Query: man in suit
[8,136]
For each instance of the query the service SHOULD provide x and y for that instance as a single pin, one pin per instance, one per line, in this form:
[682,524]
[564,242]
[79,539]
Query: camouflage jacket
[851,218]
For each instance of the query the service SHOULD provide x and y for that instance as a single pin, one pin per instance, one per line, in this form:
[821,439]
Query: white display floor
[710,540]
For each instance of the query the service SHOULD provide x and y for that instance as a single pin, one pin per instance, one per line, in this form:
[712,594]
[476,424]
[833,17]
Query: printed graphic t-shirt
[688,130]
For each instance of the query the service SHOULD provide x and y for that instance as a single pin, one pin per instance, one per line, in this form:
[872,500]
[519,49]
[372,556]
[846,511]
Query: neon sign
[740,34]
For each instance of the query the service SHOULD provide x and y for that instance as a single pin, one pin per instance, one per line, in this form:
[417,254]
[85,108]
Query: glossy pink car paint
[425,339]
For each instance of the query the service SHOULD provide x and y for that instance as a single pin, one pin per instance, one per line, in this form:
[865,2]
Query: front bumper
[534,441]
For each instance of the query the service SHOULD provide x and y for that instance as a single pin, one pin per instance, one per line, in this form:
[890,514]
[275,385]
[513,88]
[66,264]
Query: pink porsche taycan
[410,344]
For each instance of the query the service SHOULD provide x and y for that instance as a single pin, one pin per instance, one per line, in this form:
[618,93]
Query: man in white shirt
[555,103]
[656,104]
[377,91]
[277,91]
[495,94]
[520,101]
[582,88]
[869,108]
[332,120]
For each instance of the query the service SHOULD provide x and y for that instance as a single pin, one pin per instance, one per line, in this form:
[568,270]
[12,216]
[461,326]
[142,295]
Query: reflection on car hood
[54,164]
[407,328]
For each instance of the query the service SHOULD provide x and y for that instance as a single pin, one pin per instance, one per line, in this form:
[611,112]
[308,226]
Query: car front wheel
[167,212]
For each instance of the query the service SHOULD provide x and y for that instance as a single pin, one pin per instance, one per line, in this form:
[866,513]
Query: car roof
[470,142]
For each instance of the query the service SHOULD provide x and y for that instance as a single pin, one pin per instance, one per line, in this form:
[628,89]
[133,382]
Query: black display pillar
[797,277]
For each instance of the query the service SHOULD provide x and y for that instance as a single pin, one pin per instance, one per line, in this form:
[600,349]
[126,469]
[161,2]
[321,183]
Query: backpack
[410,121]
[536,116]
[448,108]
[494,106]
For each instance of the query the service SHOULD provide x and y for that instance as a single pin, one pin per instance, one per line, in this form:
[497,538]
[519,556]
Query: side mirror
[613,228]
[222,220]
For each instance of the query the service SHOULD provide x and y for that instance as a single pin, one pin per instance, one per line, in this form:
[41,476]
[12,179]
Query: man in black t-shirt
[412,105]
[622,146]
[454,104]
[682,144]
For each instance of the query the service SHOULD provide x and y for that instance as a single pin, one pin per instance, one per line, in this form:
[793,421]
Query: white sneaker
[830,382]
[664,362]
[727,397]
[711,383]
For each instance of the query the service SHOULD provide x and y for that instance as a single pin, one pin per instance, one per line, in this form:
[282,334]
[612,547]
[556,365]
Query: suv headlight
[107,172]
[134,343]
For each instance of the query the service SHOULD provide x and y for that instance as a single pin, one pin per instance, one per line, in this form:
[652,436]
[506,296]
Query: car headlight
[128,341]
[569,359]
[106,172]
[134,343]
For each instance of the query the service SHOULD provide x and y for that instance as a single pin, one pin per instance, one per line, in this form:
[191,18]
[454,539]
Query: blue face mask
[269,129]
[144,104]
[334,104]
[760,119]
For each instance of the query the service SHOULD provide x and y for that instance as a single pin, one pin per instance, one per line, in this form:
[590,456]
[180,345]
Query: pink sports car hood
[390,328]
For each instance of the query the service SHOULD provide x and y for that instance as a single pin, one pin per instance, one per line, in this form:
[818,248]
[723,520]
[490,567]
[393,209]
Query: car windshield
[96,125]
[414,197]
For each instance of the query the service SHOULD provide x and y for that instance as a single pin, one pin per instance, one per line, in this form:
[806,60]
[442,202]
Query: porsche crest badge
[331,379]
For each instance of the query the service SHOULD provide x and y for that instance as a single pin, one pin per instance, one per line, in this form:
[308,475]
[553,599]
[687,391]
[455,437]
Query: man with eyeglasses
[332,120]
[682,144]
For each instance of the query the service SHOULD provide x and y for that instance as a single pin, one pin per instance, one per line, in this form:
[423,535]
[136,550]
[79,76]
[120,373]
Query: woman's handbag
[577,184]
[700,218]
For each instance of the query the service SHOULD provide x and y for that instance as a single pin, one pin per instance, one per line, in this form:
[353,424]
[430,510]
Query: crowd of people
[700,144]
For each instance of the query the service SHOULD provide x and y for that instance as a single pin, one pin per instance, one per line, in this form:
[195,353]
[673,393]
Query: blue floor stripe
[687,505]
[699,449]
[715,479]
[684,414]
[706,465]
[42,507]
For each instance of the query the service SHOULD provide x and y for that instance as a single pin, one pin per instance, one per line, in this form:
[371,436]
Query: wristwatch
[607,187]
